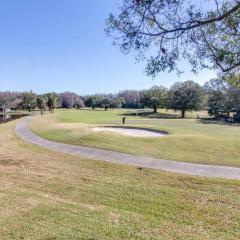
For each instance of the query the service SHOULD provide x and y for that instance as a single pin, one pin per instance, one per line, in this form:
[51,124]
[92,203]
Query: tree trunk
[237,116]
[155,109]
[216,115]
[183,113]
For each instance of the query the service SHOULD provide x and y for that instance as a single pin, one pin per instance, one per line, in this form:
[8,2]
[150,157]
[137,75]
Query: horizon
[96,93]
[57,51]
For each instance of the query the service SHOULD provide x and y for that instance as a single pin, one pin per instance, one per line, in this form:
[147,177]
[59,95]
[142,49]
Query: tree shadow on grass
[152,115]
[91,110]
[217,122]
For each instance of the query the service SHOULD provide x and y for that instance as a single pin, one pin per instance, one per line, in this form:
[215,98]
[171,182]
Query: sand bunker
[135,132]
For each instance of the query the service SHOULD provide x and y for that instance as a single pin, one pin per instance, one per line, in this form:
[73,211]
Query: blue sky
[60,45]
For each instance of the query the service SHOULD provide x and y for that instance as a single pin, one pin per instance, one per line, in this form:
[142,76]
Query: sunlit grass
[49,195]
[190,140]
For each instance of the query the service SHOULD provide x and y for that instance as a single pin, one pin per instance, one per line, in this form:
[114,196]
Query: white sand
[129,132]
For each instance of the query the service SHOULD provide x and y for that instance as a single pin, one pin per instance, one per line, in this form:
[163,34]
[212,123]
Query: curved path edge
[27,135]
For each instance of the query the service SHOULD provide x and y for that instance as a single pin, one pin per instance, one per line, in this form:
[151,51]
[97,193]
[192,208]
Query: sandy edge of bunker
[131,131]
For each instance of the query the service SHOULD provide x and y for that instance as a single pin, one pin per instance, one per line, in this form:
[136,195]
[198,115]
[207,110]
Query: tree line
[28,101]
[218,96]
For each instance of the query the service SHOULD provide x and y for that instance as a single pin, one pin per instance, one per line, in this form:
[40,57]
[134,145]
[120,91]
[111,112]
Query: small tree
[154,98]
[52,102]
[29,101]
[215,106]
[91,101]
[220,97]
[223,96]
[185,96]
[42,101]
[105,102]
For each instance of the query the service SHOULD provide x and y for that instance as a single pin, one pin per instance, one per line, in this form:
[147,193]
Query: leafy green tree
[91,101]
[42,101]
[155,98]
[185,96]
[162,32]
[117,102]
[221,99]
[215,105]
[232,79]
[53,101]
[29,101]
[106,103]
[223,96]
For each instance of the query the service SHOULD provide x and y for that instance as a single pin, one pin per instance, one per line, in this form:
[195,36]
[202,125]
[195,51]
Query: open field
[191,140]
[48,195]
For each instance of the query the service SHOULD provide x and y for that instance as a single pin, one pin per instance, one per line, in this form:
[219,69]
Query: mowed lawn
[49,195]
[190,140]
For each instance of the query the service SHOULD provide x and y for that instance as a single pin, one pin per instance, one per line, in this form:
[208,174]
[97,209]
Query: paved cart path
[24,133]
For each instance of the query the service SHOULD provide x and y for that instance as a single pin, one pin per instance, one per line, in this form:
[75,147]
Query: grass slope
[190,140]
[48,195]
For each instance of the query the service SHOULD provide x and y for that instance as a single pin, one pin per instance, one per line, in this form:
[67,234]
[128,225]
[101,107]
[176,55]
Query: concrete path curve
[24,133]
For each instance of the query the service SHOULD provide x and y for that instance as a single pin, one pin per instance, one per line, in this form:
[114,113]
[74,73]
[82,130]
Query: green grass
[190,140]
[99,116]
[49,195]
[88,116]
